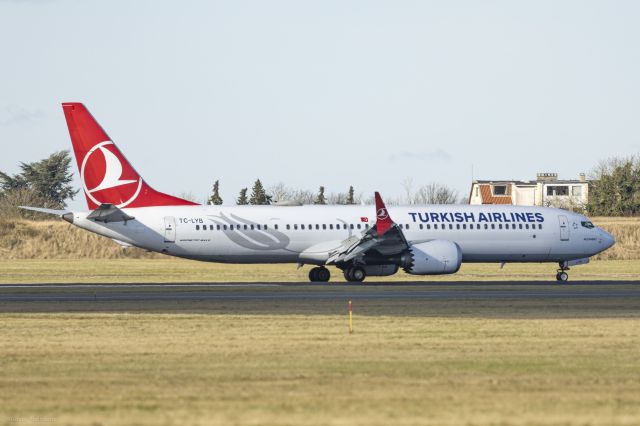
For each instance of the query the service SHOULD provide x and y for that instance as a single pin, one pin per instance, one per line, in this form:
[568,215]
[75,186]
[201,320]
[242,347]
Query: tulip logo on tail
[382,214]
[104,178]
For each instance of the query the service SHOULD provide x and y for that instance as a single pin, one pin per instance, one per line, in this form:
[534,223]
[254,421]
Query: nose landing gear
[562,276]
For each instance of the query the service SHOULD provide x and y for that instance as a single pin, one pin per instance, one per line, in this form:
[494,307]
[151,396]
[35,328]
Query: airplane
[355,239]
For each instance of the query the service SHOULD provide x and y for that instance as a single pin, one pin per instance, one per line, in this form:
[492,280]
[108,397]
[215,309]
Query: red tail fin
[383,220]
[107,177]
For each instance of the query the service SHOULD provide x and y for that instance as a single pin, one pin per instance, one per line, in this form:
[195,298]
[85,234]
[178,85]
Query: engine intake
[433,258]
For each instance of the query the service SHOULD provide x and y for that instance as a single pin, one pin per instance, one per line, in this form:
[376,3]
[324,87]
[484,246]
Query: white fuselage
[301,234]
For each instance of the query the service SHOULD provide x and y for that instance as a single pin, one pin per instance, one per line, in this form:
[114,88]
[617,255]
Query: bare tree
[407,184]
[435,193]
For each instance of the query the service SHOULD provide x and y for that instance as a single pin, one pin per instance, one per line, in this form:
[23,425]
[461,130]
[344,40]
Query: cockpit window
[587,224]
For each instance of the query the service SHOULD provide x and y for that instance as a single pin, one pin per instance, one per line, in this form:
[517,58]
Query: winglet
[383,220]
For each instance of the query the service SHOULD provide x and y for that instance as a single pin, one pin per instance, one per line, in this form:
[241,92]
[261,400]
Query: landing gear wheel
[319,274]
[562,276]
[358,274]
[347,274]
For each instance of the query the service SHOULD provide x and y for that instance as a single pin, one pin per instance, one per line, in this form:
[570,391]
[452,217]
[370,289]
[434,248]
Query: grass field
[167,269]
[550,362]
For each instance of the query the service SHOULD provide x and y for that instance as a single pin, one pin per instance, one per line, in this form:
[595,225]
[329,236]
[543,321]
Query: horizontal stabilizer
[43,210]
[109,213]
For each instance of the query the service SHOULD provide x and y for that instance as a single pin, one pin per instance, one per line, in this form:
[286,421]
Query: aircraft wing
[384,239]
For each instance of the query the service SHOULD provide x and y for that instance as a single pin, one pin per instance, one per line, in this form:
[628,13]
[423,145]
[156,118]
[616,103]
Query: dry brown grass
[55,239]
[626,230]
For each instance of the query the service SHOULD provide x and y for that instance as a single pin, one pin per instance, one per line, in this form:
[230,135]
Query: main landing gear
[319,274]
[355,274]
[562,276]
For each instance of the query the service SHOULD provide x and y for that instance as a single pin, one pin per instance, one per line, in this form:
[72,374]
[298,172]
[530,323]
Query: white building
[546,190]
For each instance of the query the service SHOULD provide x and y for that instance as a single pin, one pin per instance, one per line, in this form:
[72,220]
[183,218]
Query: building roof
[529,182]
[489,198]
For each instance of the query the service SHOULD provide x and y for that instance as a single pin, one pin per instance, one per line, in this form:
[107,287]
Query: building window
[499,189]
[557,190]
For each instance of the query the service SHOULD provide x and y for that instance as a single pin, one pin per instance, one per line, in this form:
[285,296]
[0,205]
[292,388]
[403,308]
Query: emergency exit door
[169,229]
[564,228]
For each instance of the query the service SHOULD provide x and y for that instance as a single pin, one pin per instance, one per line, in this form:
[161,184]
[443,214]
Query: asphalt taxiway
[306,291]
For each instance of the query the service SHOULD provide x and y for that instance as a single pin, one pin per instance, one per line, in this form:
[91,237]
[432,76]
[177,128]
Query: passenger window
[295,226]
[457,226]
[288,226]
[500,226]
[252,227]
[358,226]
[302,227]
[421,226]
[428,226]
[197,227]
[246,227]
[539,226]
[224,227]
[317,226]
[520,226]
[218,227]
[450,226]
[331,226]
[324,226]
[464,226]
[486,226]
[527,226]
[407,226]
[400,225]
[275,227]
[493,226]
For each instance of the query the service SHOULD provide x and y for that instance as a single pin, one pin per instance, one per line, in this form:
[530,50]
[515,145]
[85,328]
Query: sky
[333,93]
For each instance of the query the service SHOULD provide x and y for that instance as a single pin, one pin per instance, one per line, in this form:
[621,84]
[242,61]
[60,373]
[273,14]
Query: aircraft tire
[323,274]
[358,274]
[562,277]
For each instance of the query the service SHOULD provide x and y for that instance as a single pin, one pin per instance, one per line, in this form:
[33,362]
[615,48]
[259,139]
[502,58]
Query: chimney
[546,177]
[583,178]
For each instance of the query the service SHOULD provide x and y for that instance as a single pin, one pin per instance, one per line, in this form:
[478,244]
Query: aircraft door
[564,228]
[169,229]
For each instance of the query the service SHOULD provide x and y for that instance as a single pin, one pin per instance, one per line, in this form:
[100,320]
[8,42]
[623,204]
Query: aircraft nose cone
[607,239]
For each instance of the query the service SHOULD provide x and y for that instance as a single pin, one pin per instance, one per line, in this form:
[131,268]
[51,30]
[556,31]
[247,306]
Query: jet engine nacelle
[433,258]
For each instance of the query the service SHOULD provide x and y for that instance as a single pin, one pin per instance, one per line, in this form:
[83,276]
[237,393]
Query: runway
[305,291]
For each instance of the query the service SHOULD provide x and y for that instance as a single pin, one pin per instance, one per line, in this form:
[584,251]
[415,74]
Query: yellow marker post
[350,317]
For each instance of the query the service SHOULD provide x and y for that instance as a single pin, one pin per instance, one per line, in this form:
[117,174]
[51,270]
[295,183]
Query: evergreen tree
[47,179]
[215,198]
[259,195]
[350,196]
[242,198]
[320,199]
[615,188]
